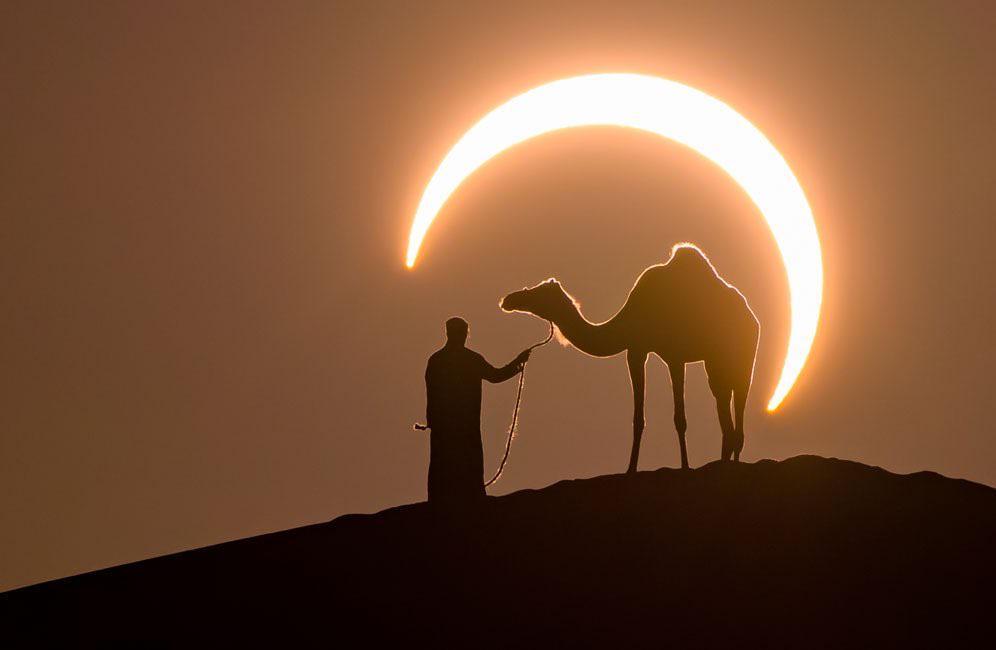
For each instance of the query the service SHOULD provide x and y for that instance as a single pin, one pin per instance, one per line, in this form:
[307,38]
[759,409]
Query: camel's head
[546,300]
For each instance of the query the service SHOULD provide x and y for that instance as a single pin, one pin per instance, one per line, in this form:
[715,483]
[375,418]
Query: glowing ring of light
[680,113]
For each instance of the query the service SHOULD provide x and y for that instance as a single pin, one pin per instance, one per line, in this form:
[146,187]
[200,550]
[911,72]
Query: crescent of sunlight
[674,111]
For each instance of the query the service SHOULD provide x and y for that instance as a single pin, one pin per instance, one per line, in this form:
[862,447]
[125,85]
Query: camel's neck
[598,340]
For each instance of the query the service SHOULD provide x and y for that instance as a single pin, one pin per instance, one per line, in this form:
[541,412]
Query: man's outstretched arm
[498,375]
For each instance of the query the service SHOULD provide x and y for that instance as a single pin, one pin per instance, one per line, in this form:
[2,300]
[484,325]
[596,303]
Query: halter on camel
[515,411]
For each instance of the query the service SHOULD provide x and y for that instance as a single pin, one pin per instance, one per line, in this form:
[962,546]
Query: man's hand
[522,358]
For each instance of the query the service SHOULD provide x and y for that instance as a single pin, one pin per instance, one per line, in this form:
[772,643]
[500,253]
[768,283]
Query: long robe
[453,378]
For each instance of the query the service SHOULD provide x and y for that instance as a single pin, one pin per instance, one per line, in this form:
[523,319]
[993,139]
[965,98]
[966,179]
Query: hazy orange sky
[208,331]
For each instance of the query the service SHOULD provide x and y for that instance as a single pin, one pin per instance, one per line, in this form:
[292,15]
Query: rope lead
[515,411]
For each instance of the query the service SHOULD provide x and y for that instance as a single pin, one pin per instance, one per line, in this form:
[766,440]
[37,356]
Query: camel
[683,312]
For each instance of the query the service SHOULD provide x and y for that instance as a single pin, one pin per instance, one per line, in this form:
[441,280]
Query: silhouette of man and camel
[682,311]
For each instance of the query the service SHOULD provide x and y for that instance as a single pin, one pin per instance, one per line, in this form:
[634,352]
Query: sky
[209,333]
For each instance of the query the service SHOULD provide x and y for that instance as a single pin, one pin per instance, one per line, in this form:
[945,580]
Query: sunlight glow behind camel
[673,111]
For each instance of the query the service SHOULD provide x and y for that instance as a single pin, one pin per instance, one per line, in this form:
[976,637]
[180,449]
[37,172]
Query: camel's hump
[687,267]
[688,278]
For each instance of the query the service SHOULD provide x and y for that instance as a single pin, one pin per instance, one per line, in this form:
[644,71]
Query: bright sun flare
[680,113]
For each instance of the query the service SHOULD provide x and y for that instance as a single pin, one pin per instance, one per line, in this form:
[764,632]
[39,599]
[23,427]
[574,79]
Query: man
[453,413]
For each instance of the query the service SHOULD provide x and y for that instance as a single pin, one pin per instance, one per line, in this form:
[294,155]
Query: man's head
[456,331]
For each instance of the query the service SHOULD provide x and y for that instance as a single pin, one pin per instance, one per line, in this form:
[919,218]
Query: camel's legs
[637,362]
[677,371]
[739,402]
[725,421]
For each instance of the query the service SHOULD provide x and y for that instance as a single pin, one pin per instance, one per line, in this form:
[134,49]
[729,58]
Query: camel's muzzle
[509,302]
